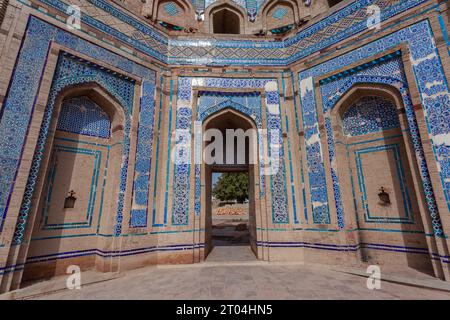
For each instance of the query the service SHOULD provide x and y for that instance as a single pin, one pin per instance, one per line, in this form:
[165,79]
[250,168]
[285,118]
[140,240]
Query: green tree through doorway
[232,186]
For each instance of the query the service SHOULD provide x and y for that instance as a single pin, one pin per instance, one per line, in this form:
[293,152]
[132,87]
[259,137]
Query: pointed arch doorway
[239,156]
[75,196]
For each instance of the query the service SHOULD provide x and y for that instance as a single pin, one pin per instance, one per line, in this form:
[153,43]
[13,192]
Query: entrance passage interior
[230,223]
[226,22]
[230,218]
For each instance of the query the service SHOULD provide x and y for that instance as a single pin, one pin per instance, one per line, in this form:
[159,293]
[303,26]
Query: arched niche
[83,153]
[176,12]
[225,18]
[379,179]
[279,13]
[229,118]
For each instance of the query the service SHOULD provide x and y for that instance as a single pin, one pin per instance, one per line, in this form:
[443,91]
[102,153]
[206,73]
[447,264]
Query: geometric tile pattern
[339,25]
[81,115]
[171,9]
[314,155]
[332,29]
[181,189]
[433,89]
[19,104]
[70,72]
[104,17]
[368,115]
[144,149]
[279,13]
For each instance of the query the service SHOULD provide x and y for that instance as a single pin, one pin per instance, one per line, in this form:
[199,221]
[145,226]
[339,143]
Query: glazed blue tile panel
[157,48]
[334,175]
[388,66]
[248,104]
[368,115]
[340,15]
[288,51]
[181,187]
[314,158]
[279,13]
[210,102]
[443,153]
[277,158]
[138,218]
[433,89]
[107,7]
[19,103]
[18,107]
[150,41]
[144,148]
[81,115]
[70,72]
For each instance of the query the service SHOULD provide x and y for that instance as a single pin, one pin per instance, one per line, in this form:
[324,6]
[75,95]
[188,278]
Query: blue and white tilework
[404,215]
[433,87]
[314,155]
[252,6]
[249,103]
[19,104]
[213,102]
[171,9]
[338,26]
[370,114]
[279,13]
[69,72]
[81,115]
[144,149]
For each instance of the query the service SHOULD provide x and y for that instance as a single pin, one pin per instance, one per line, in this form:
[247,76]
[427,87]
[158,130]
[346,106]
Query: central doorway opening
[230,223]
[230,217]
[229,180]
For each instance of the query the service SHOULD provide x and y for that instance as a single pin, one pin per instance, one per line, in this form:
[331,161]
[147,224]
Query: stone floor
[223,254]
[230,230]
[216,279]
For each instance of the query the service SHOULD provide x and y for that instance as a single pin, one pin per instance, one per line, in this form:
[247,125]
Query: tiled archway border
[181,190]
[430,79]
[21,97]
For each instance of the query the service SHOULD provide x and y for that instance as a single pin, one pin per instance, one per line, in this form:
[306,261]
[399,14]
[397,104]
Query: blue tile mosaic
[279,13]
[368,115]
[16,115]
[212,102]
[81,115]
[338,26]
[171,9]
[70,72]
[431,82]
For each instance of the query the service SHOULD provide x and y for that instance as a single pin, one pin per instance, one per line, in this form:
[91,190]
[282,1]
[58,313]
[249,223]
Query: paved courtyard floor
[216,279]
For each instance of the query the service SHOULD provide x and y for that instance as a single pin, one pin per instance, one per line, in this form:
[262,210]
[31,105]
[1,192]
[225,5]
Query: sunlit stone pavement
[216,279]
